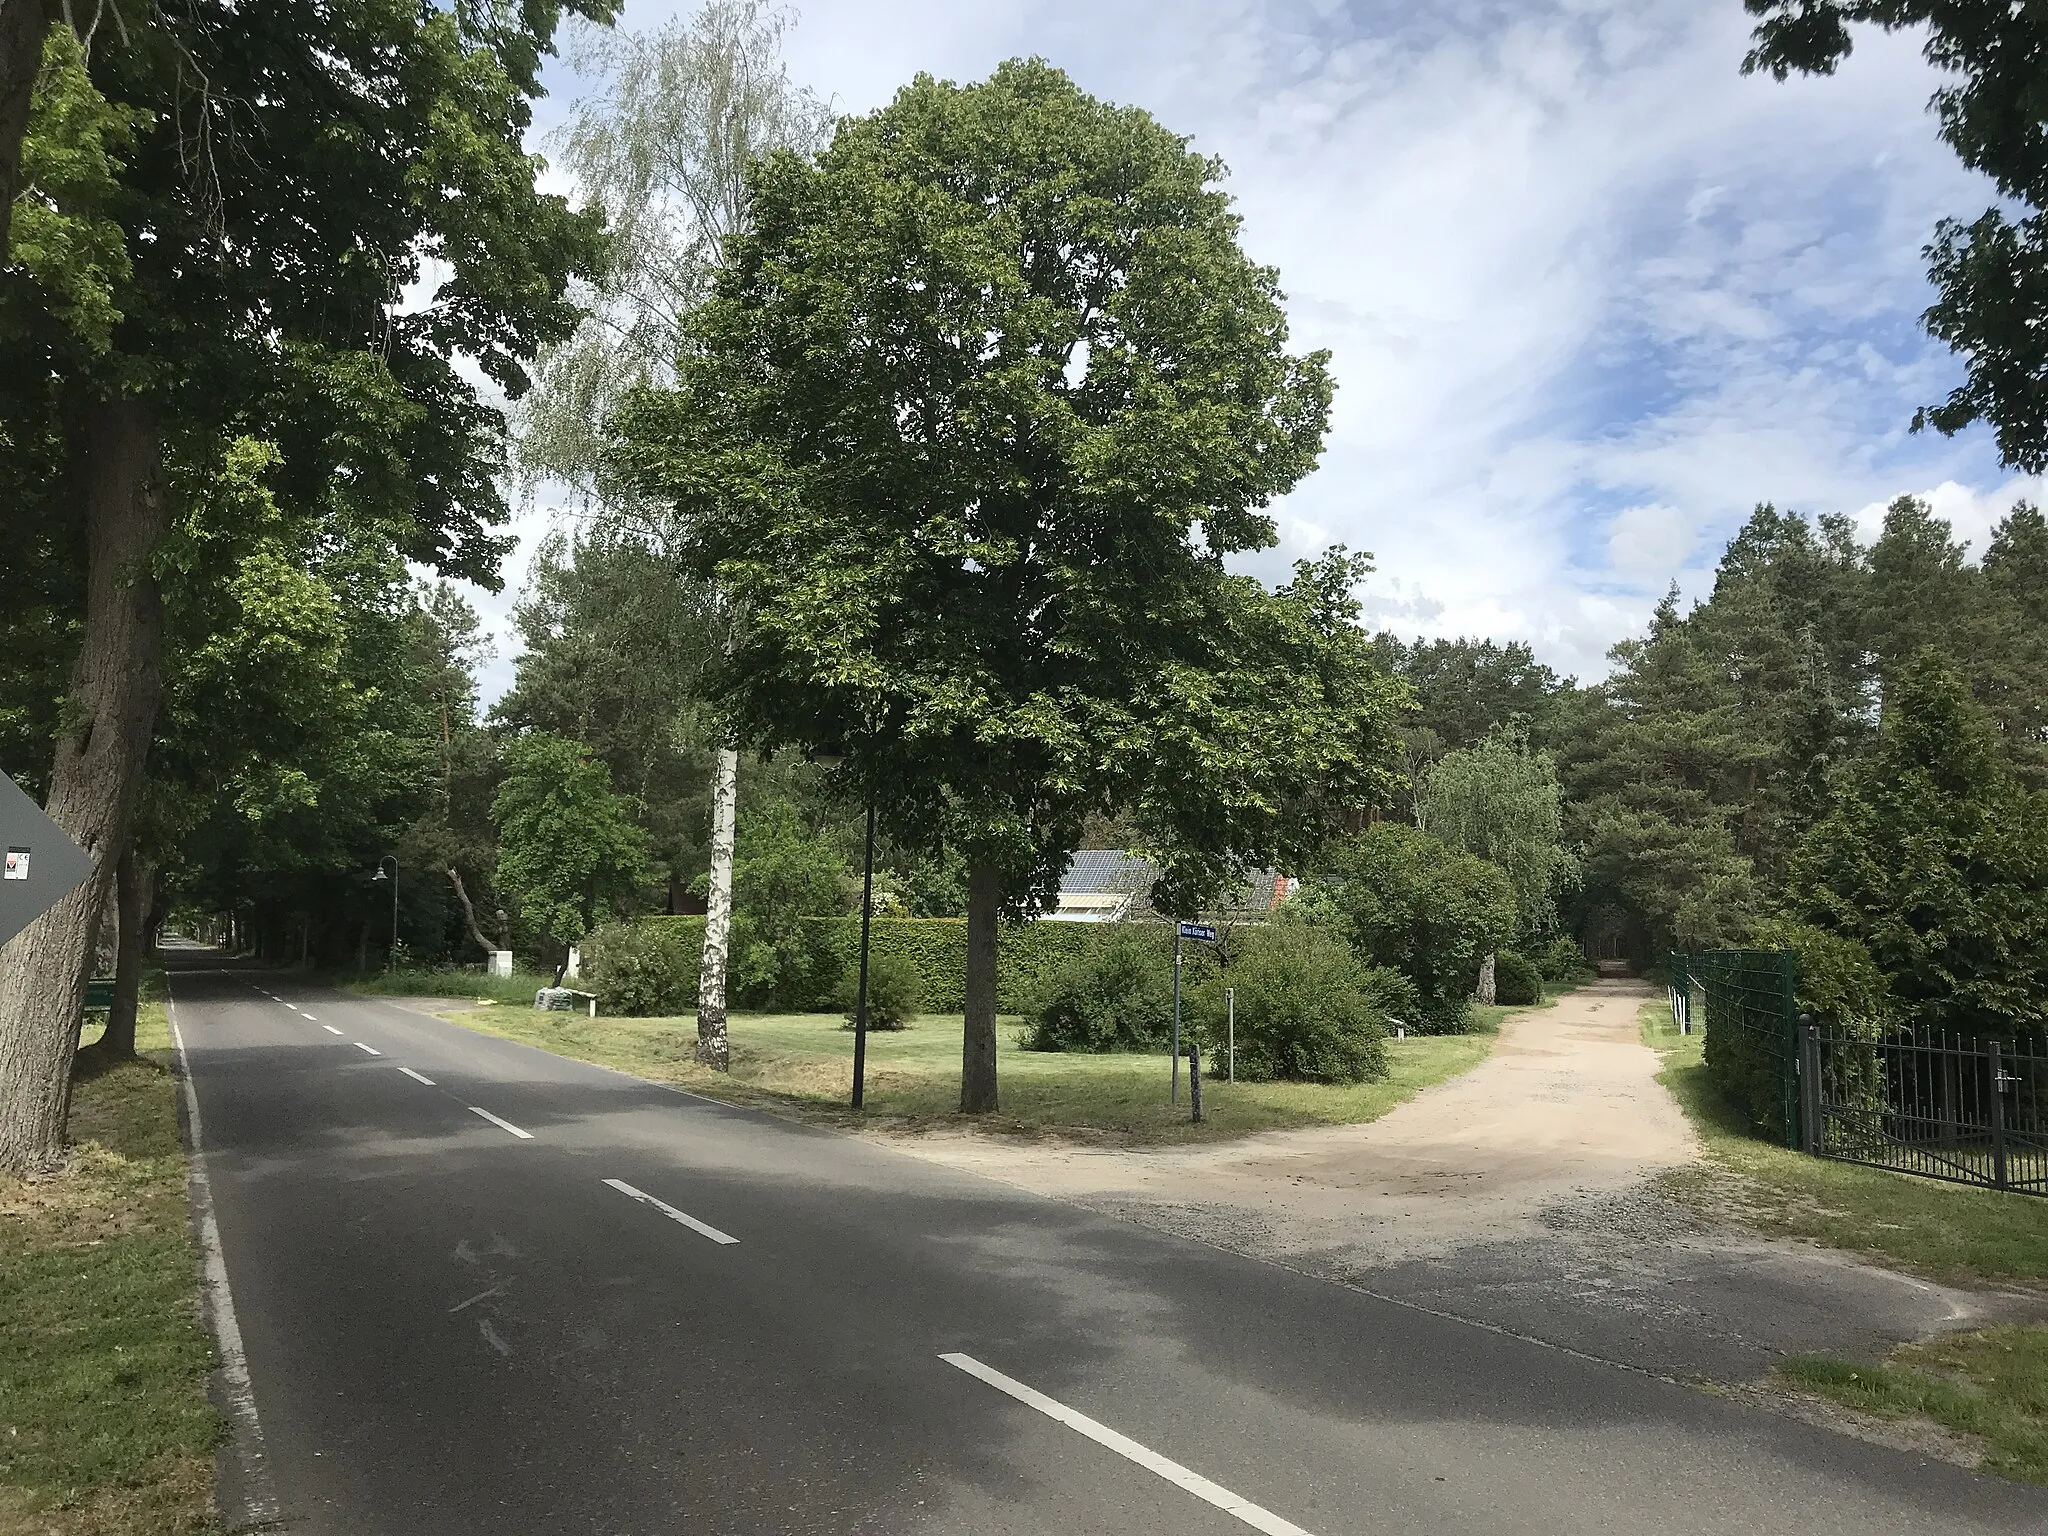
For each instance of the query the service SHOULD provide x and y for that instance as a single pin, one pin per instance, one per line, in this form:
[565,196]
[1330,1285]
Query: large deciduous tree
[974,417]
[285,173]
[1501,801]
[1991,274]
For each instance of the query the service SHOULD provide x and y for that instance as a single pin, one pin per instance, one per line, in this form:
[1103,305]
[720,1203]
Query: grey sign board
[43,865]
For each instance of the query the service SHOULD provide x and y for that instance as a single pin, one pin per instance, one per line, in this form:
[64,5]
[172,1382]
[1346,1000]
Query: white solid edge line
[370,1048]
[416,1077]
[330,1029]
[672,1213]
[219,1301]
[503,1125]
[1209,1493]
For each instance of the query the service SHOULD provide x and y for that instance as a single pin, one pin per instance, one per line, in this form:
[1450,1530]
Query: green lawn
[105,1426]
[804,1062]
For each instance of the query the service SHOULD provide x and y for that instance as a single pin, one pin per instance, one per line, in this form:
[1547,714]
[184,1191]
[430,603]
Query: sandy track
[1567,1106]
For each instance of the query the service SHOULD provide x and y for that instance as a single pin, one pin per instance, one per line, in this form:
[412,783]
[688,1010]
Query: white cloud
[1591,293]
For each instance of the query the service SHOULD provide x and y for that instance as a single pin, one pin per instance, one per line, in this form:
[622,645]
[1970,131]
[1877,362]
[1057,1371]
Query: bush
[1516,983]
[1115,996]
[895,990]
[646,970]
[1306,1009]
[1407,901]
[1562,963]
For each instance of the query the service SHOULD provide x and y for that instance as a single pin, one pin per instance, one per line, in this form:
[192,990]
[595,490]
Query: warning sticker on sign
[17,864]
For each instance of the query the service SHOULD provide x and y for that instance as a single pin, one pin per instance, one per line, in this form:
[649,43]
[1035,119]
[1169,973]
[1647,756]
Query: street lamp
[832,759]
[391,960]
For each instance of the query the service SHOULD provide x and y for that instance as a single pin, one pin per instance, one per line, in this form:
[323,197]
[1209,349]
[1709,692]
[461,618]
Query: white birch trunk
[713,1047]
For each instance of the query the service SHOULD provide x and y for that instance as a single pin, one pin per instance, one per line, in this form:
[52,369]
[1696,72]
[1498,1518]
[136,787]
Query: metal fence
[1970,1111]
[1938,1105]
[1751,1047]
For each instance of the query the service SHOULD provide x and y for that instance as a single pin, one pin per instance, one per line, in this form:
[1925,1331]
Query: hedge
[935,946]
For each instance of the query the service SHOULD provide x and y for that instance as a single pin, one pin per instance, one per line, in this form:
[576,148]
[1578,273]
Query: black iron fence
[1945,1107]
[1971,1111]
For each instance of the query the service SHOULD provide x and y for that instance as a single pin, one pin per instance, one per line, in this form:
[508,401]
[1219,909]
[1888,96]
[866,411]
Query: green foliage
[1499,800]
[1562,963]
[1516,981]
[1935,860]
[782,873]
[568,847]
[64,237]
[1991,275]
[646,969]
[895,990]
[1117,996]
[1307,1011]
[1408,902]
[1040,630]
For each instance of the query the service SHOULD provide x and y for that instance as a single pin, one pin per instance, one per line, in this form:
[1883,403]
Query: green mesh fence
[1752,1049]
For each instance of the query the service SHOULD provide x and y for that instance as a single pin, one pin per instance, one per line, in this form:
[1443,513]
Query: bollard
[1195,1082]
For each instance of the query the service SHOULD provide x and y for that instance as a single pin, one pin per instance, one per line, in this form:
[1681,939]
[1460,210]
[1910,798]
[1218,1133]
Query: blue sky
[1590,292]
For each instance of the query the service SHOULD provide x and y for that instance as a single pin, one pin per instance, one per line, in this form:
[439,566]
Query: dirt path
[1566,1106]
[1521,1196]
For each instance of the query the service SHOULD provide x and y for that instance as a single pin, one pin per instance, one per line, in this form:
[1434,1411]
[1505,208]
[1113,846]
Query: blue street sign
[1200,931]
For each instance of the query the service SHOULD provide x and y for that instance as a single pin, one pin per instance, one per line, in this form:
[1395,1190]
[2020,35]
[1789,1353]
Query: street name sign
[1200,931]
[43,864]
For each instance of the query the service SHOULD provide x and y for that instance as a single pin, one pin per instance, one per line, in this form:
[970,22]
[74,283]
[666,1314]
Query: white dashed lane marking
[1209,1493]
[503,1125]
[671,1212]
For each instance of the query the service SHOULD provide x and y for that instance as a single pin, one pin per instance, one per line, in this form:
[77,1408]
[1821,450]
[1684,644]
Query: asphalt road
[453,1328]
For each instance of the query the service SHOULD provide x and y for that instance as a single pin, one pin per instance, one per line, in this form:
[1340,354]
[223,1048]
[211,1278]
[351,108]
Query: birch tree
[664,148]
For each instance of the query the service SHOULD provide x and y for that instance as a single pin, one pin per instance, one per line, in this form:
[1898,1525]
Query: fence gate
[1970,1111]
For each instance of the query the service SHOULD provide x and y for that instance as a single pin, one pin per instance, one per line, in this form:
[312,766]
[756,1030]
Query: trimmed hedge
[651,966]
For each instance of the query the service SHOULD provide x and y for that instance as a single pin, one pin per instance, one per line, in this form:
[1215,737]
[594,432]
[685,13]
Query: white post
[1230,1005]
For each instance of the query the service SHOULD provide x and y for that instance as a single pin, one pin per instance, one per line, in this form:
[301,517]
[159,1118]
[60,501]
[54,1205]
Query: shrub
[895,990]
[1562,963]
[1407,901]
[1115,996]
[647,970]
[1306,1009]
[1516,983]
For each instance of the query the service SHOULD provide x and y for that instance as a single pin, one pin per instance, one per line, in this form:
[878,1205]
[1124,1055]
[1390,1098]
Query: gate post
[1791,1097]
[1998,1171]
[1809,1087]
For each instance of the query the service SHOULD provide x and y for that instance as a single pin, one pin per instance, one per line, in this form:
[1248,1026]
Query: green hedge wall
[936,946]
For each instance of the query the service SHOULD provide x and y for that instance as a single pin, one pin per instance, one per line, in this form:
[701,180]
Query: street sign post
[43,864]
[1206,935]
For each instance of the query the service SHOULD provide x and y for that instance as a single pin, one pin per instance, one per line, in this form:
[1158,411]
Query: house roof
[1106,869]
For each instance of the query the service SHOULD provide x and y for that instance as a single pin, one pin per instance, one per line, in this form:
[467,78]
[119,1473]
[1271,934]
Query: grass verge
[803,1063]
[1947,1232]
[519,987]
[1991,1386]
[105,1427]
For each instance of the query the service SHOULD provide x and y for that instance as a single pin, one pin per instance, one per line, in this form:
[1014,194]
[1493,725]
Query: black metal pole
[391,965]
[860,996]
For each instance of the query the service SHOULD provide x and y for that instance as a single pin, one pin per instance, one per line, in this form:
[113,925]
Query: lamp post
[860,995]
[832,758]
[391,959]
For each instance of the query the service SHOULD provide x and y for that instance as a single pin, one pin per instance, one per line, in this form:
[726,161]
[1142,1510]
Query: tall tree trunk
[133,879]
[23,26]
[978,1045]
[468,911]
[95,780]
[714,1048]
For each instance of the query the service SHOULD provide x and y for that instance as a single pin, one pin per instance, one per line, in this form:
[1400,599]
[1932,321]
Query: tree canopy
[967,429]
